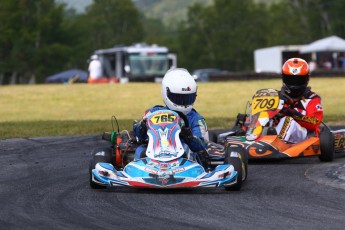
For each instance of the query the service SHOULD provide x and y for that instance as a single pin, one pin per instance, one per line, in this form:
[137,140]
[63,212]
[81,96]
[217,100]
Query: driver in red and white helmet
[179,91]
[302,109]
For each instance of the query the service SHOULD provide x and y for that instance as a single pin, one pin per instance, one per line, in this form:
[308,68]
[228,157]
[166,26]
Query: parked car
[203,75]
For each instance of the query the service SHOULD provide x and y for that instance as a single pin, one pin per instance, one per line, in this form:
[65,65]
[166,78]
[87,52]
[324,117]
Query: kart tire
[237,163]
[243,155]
[93,184]
[105,157]
[326,145]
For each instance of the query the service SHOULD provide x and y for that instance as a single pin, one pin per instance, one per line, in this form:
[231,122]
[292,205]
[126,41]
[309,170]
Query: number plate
[163,118]
[261,104]
[264,102]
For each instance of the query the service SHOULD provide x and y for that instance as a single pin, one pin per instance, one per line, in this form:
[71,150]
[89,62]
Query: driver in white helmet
[179,91]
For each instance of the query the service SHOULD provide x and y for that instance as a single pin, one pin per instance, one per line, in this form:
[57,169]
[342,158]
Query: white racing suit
[305,115]
[290,131]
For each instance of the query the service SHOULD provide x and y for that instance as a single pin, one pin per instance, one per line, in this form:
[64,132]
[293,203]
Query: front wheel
[99,155]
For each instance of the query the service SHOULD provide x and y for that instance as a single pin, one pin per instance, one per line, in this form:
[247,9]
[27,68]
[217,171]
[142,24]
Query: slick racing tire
[242,154]
[326,145]
[99,155]
[237,163]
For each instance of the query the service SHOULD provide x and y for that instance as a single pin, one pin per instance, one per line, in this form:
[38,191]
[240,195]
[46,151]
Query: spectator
[327,65]
[95,71]
[312,66]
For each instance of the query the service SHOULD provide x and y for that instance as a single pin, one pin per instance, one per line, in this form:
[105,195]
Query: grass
[54,110]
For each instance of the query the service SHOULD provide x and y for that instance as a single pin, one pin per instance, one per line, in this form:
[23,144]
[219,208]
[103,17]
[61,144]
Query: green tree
[33,42]
[285,25]
[40,37]
[303,21]
[194,39]
[335,16]
[238,27]
[223,35]
[112,22]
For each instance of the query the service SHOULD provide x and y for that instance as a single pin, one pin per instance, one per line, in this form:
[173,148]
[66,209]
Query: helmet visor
[297,80]
[181,99]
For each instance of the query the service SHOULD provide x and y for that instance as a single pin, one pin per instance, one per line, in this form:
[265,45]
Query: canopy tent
[328,44]
[68,76]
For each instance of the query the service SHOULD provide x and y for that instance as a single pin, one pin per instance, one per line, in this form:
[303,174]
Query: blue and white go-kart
[166,163]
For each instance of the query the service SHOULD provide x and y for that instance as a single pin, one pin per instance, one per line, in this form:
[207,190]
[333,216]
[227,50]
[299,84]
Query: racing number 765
[165,118]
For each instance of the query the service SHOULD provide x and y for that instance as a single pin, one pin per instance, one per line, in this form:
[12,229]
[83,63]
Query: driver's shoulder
[193,114]
[313,95]
[309,94]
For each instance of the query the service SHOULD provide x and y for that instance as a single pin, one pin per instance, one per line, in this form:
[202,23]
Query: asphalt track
[44,185]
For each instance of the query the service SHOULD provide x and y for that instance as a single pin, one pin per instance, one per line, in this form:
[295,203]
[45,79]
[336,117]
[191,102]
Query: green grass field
[80,109]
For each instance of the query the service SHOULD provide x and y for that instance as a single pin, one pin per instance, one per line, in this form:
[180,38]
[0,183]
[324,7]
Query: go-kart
[164,164]
[254,133]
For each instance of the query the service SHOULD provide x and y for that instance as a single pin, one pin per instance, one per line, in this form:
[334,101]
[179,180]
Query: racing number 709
[165,118]
[265,103]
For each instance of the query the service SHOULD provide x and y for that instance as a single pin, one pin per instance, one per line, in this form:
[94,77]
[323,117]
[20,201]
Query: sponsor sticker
[339,141]
[234,154]
[318,107]
[178,170]
[152,171]
[186,89]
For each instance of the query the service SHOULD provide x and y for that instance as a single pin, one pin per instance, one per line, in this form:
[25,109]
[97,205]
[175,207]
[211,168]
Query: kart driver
[179,91]
[302,111]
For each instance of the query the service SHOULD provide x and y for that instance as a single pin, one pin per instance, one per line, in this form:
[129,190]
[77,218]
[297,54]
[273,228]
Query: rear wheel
[242,154]
[326,145]
[237,163]
[245,165]
[99,155]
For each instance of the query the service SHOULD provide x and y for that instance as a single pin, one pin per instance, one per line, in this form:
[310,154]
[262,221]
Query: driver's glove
[290,112]
[287,99]
[204,158]
[186,134]
[276,119]
[143,126]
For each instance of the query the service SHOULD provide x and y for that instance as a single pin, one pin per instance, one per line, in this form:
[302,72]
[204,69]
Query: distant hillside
[167,10]
[78,5]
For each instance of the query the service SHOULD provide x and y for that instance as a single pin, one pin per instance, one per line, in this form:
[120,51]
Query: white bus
[139,62]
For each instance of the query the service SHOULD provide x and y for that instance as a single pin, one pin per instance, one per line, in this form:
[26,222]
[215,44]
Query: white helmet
[179,90]
[94,57]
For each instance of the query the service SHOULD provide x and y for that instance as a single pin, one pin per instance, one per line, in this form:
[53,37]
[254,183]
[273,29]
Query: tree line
[42,37]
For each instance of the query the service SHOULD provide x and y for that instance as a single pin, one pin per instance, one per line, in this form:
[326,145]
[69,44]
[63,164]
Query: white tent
[328,44]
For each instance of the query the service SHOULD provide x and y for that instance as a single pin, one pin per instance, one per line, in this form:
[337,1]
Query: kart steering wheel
[287,99]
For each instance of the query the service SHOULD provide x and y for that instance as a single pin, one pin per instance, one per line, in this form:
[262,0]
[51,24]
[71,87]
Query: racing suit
[302,115]
[198,128]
